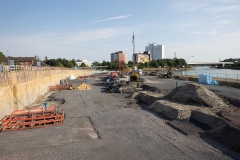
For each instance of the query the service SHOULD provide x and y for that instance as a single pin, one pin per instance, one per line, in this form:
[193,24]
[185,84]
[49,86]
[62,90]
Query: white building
[88,63]
[157,50]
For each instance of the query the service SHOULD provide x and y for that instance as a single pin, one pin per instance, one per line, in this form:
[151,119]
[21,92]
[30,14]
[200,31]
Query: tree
[104,63]
[140,65]
[2,56]
[96,63]
[83,65]
[130,63]
[113,65]
[74,62]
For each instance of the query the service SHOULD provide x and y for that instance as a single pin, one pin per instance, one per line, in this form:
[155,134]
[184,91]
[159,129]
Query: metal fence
[215,76]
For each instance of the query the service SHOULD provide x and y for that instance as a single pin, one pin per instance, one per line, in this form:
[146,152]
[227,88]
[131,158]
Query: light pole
[187,61]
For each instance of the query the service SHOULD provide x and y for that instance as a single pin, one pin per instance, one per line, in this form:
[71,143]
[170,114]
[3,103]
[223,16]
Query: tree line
[172,63]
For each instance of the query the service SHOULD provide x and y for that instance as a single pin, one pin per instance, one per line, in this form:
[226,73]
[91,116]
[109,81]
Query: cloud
[211,33]
[222,46]
[112,18]
[220,9]
[93,35]
[48,34]
[68,45]
[189,6]
[187,25]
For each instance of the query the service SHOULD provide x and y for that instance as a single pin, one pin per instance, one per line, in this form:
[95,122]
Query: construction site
[114,115]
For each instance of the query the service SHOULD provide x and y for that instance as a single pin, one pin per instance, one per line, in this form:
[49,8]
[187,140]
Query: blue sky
[209,30]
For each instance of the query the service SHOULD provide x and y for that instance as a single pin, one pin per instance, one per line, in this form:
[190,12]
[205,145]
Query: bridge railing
[215,76]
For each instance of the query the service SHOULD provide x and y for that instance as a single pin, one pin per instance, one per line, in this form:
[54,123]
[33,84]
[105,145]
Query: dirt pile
[196,94]
[227,135]
[83,86]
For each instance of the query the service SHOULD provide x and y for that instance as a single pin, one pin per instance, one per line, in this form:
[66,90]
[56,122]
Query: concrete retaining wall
[20,89]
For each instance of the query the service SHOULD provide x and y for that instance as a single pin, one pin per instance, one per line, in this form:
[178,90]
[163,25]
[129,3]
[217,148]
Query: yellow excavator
[135,77]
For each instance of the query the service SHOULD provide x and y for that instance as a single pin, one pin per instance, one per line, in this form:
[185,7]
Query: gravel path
[98,127]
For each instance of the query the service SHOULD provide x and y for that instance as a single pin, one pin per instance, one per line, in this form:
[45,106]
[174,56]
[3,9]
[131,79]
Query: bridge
[218,64]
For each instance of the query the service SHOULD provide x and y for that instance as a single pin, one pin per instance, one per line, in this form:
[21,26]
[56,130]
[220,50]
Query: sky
[208,30]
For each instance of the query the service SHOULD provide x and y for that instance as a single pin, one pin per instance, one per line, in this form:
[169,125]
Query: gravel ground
[97,126]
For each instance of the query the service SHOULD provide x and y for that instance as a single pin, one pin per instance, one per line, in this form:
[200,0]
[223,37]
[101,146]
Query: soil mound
[198,95]
[84,86]
[228,135]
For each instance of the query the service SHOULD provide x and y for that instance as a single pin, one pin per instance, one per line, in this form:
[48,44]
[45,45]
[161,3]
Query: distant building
[79,62]
[157,50]
[27,61]
[119,57]
[142,57]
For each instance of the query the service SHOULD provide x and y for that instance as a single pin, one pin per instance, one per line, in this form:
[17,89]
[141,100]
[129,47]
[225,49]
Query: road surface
[98,127]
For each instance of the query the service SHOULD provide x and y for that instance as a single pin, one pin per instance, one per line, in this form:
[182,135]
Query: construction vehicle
[114,88]
[169,74]
[135,77]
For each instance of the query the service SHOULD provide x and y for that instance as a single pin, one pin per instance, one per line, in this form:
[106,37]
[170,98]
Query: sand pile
[83,86]
[196,94]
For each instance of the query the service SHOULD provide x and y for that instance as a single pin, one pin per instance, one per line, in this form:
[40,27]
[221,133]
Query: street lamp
[187,61]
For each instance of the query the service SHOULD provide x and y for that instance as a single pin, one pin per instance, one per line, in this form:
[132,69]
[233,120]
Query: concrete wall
[20,89]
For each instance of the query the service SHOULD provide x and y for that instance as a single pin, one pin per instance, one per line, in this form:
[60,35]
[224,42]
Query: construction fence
[235,78]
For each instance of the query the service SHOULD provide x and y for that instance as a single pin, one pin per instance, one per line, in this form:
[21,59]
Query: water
[218,73]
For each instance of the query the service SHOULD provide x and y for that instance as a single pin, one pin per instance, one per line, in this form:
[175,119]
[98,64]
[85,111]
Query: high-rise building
[119,57]
[157,50]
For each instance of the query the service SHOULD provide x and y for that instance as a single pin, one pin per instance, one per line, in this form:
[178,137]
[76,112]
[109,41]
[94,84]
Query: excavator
[135,77]
[169,74]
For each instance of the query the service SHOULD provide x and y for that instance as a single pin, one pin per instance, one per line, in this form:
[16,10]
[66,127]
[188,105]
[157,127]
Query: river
[219,73]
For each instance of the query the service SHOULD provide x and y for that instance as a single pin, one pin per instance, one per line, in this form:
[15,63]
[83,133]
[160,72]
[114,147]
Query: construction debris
[81,77]
[72,77]
[84,86]
[58,87]
[32,118]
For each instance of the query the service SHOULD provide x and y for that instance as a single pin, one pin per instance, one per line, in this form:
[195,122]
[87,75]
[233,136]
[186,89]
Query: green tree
[130,63]
[83,65]
[140,65]
[96,63]
[74,62]
[2,56]
[104,63]
[113,65]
